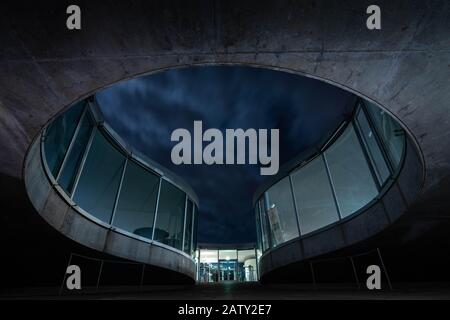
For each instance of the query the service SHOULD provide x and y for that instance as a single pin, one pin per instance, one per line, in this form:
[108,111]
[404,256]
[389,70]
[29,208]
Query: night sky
[144,112]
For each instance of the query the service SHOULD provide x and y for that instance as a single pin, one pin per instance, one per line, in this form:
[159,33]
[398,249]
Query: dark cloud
[146,110]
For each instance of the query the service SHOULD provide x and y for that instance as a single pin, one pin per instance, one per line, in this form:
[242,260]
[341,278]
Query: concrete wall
[44,67]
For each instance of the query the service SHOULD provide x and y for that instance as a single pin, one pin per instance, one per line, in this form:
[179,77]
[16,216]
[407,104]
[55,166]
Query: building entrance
[227,270]
[219,263]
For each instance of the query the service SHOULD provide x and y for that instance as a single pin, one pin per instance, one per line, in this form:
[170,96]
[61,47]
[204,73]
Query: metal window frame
[333,190]
[72,142]
[330,183]
[367,157]
[119,191]
[83,162]
[258,228]
[184,221]
[192,251]
[384,150]
[97,125]
[257,264]
[393,169]
[156,209]
[365,145]
[265,232]
[294,199]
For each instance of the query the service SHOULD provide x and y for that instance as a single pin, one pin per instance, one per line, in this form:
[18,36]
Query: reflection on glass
[338,183]
[194,233]
[59,135]
[89,168]
[227,265]
[246,266]
[265,226]
[137,202]
[73,160]
[99,181]
[374,151]
[258,230]
[209,261]
[188,228]
[170,216]
[390,131]
[280,212]
[315,202]
[352,180]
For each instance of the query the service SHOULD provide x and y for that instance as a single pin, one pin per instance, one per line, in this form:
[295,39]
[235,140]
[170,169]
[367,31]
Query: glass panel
[208,270]
[390,131]
[59,135]
[265,226]
[227,265]
[70,169]
[194,234]
[374,151]
[258,229]
[350,173]
[170,217]
[246,270]
[314,196]
[188,228]
[137,202]
[227,254]
[280,212]
[97,189]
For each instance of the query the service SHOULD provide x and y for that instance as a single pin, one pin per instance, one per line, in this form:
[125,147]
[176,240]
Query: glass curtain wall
[390,132]
[59,135]
[170,218]
[314,196]
[74,156]
[99,181]
[280,212]
[337,183]
[136,205]
[350,173]
[108,184]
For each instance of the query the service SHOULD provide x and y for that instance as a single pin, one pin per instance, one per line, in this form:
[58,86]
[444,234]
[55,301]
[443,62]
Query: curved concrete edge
[65,219]
[382,213]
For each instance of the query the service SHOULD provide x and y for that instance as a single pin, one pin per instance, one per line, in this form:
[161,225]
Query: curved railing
[109,183]
[346,176]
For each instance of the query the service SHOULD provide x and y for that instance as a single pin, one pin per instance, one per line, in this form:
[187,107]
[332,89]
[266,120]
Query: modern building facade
[122,202]
[402,199]
[107,196]
[361,173]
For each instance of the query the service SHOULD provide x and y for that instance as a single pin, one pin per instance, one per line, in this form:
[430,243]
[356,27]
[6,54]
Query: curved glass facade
[112,186]
[348,174]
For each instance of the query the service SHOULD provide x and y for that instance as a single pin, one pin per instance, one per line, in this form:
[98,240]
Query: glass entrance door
[227,270]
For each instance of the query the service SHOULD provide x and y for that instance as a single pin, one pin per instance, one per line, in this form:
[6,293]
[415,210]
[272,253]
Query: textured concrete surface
[404,66]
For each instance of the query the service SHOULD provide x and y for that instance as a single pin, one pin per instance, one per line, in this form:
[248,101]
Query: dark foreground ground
[239,291]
